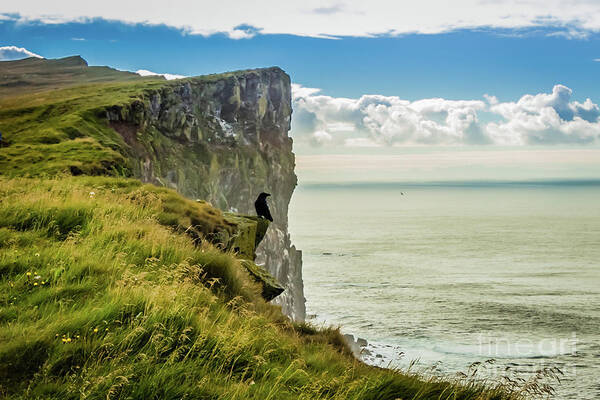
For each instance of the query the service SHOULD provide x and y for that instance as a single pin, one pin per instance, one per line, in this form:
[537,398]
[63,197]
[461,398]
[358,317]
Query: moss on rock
[250,231]
[270,287]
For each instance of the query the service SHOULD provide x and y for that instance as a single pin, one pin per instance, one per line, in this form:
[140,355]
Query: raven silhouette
[262,208]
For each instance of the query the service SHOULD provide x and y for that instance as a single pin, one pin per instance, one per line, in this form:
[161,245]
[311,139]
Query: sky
[374,78]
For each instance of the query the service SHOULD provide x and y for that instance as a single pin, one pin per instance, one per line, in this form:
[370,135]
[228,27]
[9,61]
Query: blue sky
[456,65]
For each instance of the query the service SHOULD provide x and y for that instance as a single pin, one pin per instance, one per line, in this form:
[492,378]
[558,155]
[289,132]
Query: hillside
[36,74]
[222,138]
[112,288]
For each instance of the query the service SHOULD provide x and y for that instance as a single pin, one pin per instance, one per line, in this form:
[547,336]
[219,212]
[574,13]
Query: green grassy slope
[104,294]
[98,299]
[35,74]
[50,117]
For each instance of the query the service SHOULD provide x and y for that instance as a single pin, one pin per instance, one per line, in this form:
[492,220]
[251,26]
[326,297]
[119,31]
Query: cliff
[223,138]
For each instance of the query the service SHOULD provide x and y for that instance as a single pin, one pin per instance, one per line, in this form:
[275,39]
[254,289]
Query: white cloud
[492,100]
[8,53]
[320,138]
[325,18]
[545,118]
[169,77]
[572,34]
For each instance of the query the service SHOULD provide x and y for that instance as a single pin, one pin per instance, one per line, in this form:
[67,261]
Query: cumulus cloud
[8,53]
[169,77]
[324,18]
[545,118]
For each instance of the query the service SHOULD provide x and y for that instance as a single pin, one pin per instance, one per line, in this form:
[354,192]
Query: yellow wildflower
[35,284]
[95,330]
[29,274]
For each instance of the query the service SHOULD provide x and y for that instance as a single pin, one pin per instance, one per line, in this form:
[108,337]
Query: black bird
[262,208]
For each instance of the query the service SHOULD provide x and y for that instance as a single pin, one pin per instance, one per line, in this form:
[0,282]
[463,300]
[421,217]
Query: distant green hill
[114,289]
[36,74]
[49,116]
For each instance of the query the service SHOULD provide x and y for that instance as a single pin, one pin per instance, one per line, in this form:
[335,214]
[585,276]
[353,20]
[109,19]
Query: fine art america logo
[496,347]
[529,356]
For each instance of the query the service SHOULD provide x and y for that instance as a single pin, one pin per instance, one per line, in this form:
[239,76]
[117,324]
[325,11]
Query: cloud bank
[8,53]
[573,19]
[169,77]
[375,120]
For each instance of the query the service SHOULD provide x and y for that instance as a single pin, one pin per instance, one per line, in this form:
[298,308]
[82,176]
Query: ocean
[442,275]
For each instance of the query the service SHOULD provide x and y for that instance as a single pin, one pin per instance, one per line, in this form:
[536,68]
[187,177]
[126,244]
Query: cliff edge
[223,138]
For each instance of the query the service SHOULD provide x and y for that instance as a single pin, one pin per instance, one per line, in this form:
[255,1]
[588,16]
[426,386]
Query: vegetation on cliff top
[104,294]
[53,116]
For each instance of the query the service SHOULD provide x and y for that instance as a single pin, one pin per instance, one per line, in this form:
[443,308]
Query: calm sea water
[451,274]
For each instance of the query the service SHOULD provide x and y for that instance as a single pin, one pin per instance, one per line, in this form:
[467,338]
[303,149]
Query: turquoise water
[450,274]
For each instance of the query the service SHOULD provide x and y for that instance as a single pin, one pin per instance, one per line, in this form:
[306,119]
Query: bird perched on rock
[262,208]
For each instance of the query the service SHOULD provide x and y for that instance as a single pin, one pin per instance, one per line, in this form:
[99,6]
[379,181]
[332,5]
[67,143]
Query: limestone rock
[223,138]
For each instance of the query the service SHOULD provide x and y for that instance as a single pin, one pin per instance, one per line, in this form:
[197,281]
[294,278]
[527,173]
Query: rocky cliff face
[223,138]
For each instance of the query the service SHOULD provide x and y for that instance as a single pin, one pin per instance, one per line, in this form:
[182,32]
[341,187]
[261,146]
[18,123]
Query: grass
[64,131]
[99,298]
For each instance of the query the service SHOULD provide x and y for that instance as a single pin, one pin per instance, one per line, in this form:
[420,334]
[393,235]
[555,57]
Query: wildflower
[95,330]
[37,277]
[29,274]
[77,336]
[69,340]
[106,329]
[35,284]
[43,282]
[37,254]
[92,194]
